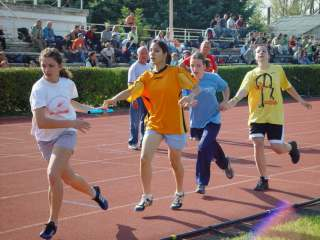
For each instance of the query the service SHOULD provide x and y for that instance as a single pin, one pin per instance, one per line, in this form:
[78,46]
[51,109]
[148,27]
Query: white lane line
[295,182]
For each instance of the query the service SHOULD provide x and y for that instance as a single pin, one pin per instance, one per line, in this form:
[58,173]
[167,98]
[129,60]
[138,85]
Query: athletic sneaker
[49,230]
[177,201]
[294,153]
[262,185]
[229,171]
[201,189]
[144,202]
[133,147]
[103,203]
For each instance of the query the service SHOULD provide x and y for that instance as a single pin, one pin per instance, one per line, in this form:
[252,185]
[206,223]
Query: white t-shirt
[56,97]
[231,24]
[107,52]
[136,69]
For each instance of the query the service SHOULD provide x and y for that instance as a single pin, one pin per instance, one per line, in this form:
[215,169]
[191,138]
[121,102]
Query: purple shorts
[67,140]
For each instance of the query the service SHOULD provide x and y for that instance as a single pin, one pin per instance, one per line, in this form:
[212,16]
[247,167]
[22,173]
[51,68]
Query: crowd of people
[300,50]
[118,43]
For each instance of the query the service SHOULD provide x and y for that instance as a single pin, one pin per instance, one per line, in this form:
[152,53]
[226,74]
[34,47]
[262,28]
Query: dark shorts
[275,132]
[67,140]
[196,133]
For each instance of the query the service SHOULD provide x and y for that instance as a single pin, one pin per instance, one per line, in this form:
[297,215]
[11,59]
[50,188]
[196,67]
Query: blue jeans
[208,150]
[137,114]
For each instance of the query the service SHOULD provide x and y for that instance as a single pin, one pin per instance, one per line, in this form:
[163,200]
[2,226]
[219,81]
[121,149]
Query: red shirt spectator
[79,43]
[205,50]
[240,23]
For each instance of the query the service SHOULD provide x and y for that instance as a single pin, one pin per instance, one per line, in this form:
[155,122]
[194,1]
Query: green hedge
[96,84]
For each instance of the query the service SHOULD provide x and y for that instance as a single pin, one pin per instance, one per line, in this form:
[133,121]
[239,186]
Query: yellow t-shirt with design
[264,94]
[160,93]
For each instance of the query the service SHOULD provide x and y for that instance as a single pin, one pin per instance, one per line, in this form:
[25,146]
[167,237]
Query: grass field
[305,227]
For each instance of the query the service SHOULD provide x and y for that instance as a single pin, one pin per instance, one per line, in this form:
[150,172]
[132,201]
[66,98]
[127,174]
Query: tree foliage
[293,7]
[187,13]
[256,19]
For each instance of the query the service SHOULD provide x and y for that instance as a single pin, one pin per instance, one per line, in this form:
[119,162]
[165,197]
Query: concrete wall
[18,16]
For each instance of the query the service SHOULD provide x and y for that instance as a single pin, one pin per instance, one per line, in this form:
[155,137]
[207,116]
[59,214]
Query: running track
[102,158]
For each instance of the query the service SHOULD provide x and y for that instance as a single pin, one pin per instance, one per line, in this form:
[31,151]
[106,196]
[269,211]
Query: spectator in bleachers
[260,38]
[276,43]
[93,42]
[83,30]
[213,22]
[3,60]
[48,35]
[219,25]
[129,22]
[304,40]
[79,46]
[116,38]
[205,48]
[51,39]
[292,44]
[303,57]
[37,36]
[248,55]
[133,36]
[174,59]
[231,24]
[73,35]
[316,55]
[241,26]
[284,42]
[2,39]
[177,47]
[310,49]
[108,54]
[143,44]
[250,37]
[161,37]
[106,35]
[186,53]
[91,61]
[127,49]
[271,51]
[209,34]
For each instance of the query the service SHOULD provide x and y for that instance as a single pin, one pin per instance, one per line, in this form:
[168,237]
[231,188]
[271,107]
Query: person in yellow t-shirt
[160,90]
[263,85]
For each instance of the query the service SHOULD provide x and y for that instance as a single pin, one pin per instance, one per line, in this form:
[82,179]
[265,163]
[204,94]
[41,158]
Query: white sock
[180,194]
[147,196]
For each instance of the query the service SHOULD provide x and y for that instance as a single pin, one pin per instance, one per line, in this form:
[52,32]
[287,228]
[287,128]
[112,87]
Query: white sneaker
[133,147]
[144,202]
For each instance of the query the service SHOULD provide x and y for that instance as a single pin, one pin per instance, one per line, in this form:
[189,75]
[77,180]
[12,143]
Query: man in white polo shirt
[137,109]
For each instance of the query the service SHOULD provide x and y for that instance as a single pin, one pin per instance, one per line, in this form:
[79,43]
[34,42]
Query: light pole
[170,19]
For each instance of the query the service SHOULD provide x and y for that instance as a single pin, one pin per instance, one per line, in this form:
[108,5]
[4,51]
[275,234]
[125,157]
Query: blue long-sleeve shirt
[207,108]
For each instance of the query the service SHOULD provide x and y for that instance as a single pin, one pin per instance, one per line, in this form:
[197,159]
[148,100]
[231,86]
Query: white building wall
[18,16]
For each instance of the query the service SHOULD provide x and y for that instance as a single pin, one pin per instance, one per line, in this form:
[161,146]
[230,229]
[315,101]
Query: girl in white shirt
[55,126]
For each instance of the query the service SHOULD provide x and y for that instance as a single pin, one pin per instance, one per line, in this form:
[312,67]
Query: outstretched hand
[306,104]
[187,101]
[81,125]
[109,103]
[224,106]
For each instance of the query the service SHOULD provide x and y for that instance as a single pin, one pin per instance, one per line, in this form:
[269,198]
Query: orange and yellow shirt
[161,92]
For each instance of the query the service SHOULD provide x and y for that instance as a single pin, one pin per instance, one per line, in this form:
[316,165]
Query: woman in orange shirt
[160,90]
